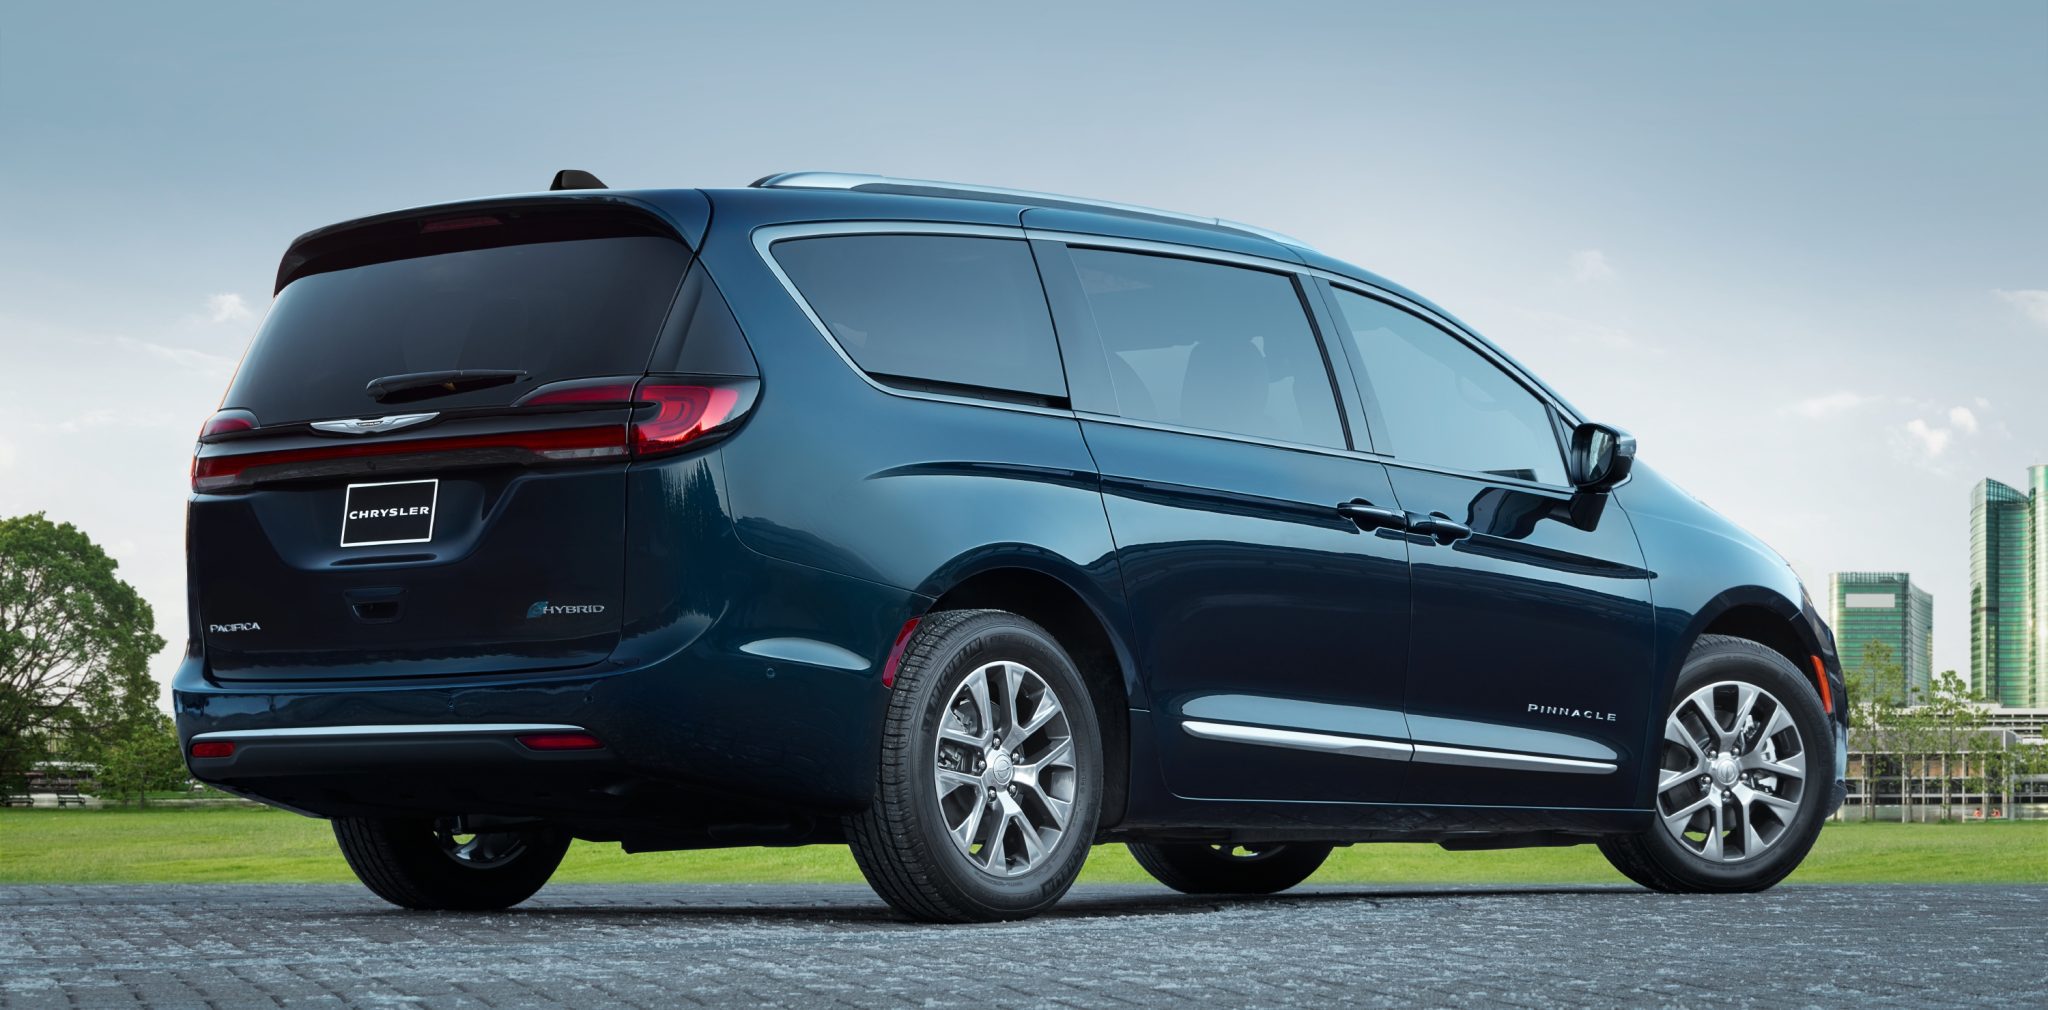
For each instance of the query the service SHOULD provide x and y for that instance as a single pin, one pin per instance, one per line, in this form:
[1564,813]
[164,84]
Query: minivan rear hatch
[419,469]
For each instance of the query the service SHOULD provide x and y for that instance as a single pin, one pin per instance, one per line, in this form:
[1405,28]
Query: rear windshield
[553,310]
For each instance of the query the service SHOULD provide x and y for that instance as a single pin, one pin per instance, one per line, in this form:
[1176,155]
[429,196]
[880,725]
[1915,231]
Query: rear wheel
[991,773]
[1258,868]
[1745,770]
[429,865]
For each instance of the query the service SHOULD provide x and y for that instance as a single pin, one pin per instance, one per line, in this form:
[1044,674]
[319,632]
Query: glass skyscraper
[1884,607]
[2009,591]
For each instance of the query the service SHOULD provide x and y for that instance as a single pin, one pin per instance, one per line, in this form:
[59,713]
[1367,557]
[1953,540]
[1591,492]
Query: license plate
[398,512]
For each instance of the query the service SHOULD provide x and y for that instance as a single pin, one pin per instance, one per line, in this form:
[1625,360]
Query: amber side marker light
[213,749]
[561,741]
[1820,673]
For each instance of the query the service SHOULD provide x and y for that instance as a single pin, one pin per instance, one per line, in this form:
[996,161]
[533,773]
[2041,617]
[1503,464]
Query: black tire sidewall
[1713,662]
[982,640]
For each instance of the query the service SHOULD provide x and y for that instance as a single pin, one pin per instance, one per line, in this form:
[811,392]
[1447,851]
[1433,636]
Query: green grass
[246,845]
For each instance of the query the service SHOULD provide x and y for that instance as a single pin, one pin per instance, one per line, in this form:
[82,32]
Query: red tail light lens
[561,741]
[213,749]
[682,413]
[669,415]
[224,421]
[212,473]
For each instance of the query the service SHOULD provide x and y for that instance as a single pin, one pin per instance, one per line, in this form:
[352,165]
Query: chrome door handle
[1368,516]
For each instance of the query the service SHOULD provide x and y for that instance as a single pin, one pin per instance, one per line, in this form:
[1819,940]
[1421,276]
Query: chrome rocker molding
[1266,736]
[444,728]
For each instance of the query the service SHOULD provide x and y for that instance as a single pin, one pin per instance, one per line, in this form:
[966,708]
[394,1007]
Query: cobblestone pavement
[808,946]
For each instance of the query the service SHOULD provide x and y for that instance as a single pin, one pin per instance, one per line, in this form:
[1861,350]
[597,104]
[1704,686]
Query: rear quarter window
[932,310]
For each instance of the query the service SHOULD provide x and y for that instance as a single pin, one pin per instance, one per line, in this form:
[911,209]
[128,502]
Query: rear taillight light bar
[681,413]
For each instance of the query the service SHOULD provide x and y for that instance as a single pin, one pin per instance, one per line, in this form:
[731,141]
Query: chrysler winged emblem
[374,425]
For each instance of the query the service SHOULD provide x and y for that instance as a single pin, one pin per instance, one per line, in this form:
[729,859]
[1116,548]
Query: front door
[1270,620]
[1528,679]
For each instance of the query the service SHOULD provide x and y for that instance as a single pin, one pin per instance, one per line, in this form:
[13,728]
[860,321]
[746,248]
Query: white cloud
[1962,420]
[1831,403]
[1590,265]
[183,357]
[2032,303]
[1933,441]
[227,308]
[1578,331]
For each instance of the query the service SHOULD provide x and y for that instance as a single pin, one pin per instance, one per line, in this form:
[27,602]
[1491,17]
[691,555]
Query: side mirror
[1600,457]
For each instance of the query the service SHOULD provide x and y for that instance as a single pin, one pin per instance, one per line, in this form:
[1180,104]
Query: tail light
[225,421]
[213,749]
[668,415]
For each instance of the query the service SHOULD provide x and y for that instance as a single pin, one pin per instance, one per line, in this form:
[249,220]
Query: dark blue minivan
[966,527]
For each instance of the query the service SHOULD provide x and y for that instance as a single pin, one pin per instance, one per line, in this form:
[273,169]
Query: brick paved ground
[587,946]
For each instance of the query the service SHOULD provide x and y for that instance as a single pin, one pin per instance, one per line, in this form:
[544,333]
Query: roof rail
[927,187]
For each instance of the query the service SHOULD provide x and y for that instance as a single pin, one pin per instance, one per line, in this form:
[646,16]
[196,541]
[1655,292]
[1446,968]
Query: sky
[1801,251]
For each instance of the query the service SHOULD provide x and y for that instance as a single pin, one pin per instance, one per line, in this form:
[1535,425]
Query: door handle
[1368,516]
[1439,527]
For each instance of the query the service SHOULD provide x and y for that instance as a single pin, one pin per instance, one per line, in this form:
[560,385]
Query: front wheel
[1744,773]
[991,773]
[1254,868]
[429,865]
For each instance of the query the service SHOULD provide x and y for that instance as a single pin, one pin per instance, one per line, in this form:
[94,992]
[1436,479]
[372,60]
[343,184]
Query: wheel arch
[1057,601]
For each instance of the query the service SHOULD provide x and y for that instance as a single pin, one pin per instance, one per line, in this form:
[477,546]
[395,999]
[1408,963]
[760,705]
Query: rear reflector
[213,749]
[896,652]
[561,741]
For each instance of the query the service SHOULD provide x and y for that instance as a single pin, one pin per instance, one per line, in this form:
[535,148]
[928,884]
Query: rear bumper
[419,768]
[703,728]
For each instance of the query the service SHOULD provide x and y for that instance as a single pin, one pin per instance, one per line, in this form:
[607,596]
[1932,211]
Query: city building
[1885,608]
[2009,591]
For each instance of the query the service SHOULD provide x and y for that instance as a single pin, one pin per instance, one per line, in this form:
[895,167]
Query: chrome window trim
[1365,455]
[410,729]
[1423,753]
[766,237]
[1228,436]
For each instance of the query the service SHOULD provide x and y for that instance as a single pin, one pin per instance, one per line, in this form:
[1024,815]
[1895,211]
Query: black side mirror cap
[1601,456]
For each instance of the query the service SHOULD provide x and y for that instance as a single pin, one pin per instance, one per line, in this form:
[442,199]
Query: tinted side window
[1445,403]
[1209,346]
[942,309]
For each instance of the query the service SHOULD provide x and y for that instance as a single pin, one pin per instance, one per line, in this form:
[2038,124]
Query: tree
[1875,713]
[1953,725]
[75,643]
[145,759]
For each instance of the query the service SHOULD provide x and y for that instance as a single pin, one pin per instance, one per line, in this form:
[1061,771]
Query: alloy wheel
[1733,772]
[1004,769]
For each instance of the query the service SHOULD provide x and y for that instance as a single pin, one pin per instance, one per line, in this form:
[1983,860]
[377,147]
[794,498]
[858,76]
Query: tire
[416,864]
[1662,859]
[905,842]
[1230,869]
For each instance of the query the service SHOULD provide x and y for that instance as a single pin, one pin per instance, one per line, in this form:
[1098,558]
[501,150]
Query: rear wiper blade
[412,386]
